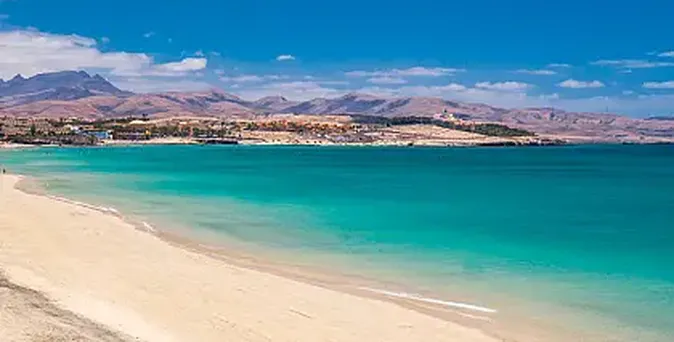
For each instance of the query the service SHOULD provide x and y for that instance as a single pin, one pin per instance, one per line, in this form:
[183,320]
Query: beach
[99,276]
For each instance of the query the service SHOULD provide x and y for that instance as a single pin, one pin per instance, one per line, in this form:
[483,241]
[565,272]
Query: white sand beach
[73,273]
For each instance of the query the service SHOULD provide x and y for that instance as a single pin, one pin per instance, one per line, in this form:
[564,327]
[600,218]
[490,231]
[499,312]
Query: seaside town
[281,129]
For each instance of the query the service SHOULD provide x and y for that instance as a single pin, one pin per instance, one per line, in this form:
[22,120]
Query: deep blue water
[585,232]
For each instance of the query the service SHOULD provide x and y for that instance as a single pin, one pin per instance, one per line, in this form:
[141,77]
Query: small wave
[148,227]
[411,296]
[108,210]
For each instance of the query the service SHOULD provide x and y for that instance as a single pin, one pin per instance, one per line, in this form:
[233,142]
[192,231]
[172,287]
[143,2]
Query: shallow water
[580,235]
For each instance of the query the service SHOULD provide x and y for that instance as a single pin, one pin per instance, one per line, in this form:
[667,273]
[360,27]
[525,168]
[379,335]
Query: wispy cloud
[575,84]
[297,90]
[558,65]
[540,72]
[187,64]
[666,54]
[248,78]
[30,52]
[632,63]
[149,34]
[173,69]
[413,71]
[503,86]
[659,85]
[154,85]
[387,80]
[282,58]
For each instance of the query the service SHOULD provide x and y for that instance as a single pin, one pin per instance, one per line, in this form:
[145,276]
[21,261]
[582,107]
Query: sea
[571,239]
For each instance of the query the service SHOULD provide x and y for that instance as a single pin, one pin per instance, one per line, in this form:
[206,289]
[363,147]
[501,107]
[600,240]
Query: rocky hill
[69,93]
[65,85]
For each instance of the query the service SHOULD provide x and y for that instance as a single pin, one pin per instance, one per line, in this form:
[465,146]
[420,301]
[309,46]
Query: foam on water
[103,209]
[419,298]
[148,227]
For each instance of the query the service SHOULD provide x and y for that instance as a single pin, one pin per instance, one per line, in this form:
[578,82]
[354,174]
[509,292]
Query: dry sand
[74,273]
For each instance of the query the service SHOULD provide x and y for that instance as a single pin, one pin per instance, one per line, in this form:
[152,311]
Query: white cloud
[282,58]
[414,71]
[659,85]
[183,67]
[248,78]
[199,53]
[154,85]
[541,72]
[149,34]
[575,84]
[328,82]
[386,80]
[503,86]
[187,64]
[666,54]
[29,52]
[628,92]
[632,63]
[558,65]
[298,90]
[554,96]
[242,78]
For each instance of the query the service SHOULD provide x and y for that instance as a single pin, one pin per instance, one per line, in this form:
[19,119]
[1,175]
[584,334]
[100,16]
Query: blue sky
[578,55]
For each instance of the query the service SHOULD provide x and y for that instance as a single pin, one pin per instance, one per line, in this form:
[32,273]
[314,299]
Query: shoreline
[408,144]
[429,312]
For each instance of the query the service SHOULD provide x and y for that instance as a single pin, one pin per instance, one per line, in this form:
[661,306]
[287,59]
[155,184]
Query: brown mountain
[64,85]
[92,97]
[211,103]
[273,104]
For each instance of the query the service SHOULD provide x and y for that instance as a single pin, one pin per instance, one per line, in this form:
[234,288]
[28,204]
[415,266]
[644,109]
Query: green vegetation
[496,130]
[489,129]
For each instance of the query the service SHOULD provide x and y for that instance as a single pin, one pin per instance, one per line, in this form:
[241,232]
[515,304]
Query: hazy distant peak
[62,85]
[17,78]
[359,97]
[275,98]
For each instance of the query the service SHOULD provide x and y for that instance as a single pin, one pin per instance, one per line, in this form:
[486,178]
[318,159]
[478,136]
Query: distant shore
[129,284]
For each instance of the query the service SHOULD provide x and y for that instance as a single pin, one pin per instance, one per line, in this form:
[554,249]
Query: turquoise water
[580,235]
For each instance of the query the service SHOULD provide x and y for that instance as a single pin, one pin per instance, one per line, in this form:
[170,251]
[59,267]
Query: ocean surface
[577,237]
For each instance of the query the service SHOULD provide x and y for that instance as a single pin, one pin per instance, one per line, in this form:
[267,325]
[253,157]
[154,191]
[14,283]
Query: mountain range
[78,94]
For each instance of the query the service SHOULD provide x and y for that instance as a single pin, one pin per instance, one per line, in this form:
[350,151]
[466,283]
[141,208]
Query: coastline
[126,286]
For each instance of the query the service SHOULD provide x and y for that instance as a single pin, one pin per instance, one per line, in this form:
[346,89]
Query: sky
[592,55]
